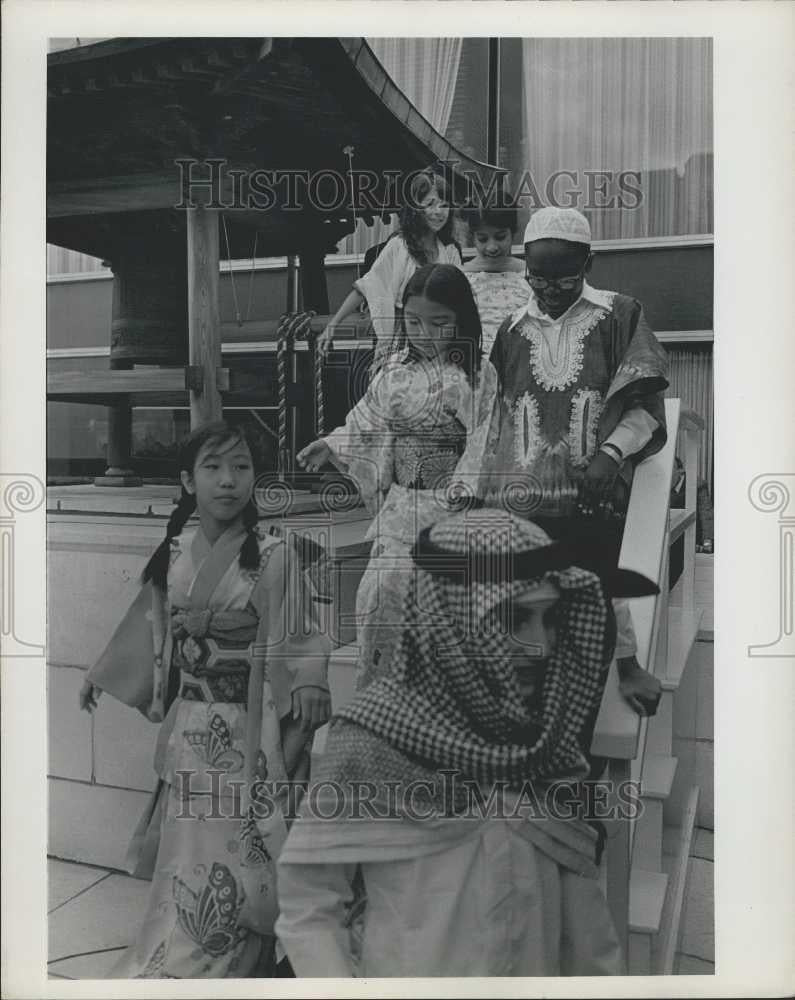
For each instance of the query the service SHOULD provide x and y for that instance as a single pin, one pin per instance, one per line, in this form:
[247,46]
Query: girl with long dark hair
[402,441]
[425,237]
[232,663]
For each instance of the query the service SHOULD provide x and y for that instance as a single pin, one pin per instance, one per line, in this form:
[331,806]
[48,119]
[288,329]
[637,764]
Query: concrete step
[676,866]
[647,834]
[683,626]
[646,900]
[647,893]
[658,776]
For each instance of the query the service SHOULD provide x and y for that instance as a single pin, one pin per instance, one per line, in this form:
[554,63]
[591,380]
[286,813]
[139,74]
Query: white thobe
[488,903]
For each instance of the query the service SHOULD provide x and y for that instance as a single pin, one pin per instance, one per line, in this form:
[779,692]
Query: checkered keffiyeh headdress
[452,699]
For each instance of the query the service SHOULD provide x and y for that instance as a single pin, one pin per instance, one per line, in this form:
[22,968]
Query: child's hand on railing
[314,456]
[641,689]
[88,696]
[312,706]
[325,339]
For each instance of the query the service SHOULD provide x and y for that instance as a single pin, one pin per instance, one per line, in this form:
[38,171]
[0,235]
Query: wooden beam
[204,319]
[115,382]
[100,195]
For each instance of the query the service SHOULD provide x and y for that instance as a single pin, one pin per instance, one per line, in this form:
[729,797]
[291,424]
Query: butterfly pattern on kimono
[209,917]
[154,967]
[253,852]
[214,745]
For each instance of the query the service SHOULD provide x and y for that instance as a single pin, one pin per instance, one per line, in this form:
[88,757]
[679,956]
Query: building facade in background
[618,127]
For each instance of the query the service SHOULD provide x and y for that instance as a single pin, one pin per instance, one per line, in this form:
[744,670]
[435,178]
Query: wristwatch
[613,451]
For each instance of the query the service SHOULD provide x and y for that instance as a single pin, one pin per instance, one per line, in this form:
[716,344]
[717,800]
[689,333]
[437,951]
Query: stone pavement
[94,913]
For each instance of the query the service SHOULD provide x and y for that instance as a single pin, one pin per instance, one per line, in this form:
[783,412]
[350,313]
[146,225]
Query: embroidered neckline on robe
[561,371]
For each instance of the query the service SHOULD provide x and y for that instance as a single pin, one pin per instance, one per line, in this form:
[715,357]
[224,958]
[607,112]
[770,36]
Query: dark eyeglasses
[563,284]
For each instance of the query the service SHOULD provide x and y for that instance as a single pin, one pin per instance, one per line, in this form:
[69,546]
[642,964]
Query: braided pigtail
[156,569]
[249,551]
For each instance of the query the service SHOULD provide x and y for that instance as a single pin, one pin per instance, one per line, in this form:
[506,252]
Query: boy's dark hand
[88,696]
[640,688]
[601,473]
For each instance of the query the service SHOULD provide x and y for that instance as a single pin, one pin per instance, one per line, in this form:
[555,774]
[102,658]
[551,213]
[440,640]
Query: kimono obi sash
[212,651]
[426,461]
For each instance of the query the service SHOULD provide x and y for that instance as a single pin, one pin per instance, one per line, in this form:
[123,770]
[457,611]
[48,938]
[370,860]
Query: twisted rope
[281,378]
[320,414]
[292,327]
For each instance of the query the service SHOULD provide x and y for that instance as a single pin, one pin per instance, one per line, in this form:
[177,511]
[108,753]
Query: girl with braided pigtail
[239,684]
[157,567]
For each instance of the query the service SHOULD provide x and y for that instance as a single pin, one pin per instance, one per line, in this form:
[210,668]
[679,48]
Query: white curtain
[690,377]
[620,104]
[425,69]
[63,261]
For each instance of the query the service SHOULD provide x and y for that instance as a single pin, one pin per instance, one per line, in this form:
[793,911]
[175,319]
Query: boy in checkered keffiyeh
[494,687]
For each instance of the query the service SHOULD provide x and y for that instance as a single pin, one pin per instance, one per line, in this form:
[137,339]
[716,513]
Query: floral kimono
[224,631]
[401,443]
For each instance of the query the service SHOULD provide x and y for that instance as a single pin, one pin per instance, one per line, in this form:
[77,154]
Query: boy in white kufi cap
[581,382]
[558,224]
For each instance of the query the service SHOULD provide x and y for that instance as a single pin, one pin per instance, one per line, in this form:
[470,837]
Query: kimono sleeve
[360,448]
[471,473]
[290,637]
[135,665]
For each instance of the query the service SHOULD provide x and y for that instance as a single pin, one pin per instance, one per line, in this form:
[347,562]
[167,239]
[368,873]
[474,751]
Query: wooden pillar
[204,321]
[118,472]
[292,285]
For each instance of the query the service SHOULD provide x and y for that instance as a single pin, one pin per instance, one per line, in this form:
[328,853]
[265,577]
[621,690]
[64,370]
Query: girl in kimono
[497,278]
[403,439]
[235,640]
[425,237]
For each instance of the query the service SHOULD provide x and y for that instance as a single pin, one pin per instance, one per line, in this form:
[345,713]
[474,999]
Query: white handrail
[620,735]
[618,728]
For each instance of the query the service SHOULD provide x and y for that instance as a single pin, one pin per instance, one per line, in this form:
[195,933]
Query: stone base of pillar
[118,477]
